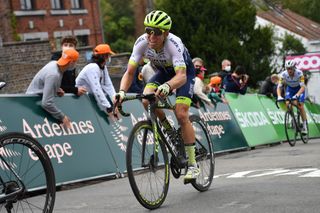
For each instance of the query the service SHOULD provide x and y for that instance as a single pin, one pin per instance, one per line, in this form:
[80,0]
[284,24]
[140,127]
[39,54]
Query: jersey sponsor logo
[175,44]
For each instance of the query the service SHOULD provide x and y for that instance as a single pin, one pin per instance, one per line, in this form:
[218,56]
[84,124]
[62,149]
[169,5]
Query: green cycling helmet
[158,19]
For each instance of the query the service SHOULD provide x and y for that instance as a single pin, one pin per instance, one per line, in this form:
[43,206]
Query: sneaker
[192,174]
[304,131]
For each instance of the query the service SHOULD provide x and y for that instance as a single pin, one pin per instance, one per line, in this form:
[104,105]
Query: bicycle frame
[159,137]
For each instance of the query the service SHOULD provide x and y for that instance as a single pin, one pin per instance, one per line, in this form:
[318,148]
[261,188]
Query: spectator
[48,80]
[95,77]
[69,77]
[269,86]
[199,87]
[216,93]
[237,81]
[225,69]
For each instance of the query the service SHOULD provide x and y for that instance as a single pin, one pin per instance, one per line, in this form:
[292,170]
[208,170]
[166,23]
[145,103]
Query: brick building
[31,20]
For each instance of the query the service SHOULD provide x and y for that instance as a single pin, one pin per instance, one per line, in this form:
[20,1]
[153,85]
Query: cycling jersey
[296,81]
[173,56]
[170,57]
[293,84]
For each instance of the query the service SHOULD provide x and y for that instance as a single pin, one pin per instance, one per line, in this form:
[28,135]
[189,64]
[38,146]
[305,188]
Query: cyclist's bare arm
[128,77]
[179,79]
[279,88]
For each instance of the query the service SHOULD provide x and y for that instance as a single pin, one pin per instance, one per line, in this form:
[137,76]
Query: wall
[20,61]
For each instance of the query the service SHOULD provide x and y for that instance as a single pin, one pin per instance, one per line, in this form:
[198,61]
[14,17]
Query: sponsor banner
[277,117]
[223,128]
[76,154]
[314,111]
[309,62]
[253,120]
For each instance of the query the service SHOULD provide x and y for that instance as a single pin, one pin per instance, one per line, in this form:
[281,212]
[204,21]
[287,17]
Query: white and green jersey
[170,57]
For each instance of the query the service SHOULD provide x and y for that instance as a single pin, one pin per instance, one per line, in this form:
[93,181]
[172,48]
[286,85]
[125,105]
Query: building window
[56,4]
[27,4]
[83,40]
[76,4]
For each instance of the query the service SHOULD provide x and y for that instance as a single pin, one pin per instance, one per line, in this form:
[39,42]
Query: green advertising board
[78,153]
[222,126]
[253,120]
[314,111]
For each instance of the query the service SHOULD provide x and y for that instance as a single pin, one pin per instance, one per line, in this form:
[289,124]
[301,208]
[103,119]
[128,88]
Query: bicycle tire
[304,137]
[204,154]
[149,176]
[290,128]
[30,161]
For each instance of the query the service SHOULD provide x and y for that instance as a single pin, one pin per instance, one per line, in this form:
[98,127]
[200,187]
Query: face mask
[227,68]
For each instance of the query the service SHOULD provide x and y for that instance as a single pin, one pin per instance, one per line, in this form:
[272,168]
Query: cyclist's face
[155,40]
[290,71]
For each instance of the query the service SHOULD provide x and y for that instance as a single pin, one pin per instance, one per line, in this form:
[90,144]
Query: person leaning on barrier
[69,77]
[199,96]
[237,81]
[95,77]
[216,93]
[48,80]
[269,86]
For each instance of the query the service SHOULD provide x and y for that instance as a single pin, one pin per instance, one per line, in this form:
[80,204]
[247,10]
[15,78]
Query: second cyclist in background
[295,89]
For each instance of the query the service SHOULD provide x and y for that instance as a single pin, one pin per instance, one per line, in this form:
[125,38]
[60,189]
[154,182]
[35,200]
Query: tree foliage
[118,24]
[219,29]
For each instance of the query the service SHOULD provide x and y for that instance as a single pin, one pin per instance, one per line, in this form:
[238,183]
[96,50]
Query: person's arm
[51,86]
[93,80]
[127,78]
[302,86]
[107,85]
[198,90]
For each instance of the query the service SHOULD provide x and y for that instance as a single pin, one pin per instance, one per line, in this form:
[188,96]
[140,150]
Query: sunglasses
[154,31]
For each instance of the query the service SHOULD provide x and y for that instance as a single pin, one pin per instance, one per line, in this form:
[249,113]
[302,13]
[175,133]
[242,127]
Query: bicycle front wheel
[147,166]
[304,136]
[26,173]
[204,154]
[290,128]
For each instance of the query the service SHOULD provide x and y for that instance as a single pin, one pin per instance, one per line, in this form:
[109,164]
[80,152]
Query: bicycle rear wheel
[290,128]
[22,157]
[204,154]
[148,172]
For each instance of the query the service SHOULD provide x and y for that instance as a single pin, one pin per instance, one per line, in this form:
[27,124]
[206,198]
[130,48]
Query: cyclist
[295,89]
[173,70]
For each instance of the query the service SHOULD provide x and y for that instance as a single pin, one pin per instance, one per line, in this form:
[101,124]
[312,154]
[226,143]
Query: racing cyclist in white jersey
[173,70]
[295,89]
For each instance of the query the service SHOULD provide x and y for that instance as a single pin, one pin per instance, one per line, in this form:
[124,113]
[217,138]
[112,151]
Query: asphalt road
[275,179]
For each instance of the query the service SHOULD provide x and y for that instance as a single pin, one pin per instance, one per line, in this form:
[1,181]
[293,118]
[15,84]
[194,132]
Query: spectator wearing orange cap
[95,78]
[217,93]
[199,87]
[48,80]
[68,81]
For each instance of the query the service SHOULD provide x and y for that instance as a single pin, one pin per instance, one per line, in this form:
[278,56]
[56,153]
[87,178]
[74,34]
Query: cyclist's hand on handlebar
[280,98]
[163,90]
[119,96]
[296,97]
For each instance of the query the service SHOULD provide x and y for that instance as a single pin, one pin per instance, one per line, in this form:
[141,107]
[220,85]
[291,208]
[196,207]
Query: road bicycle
[149,148]
[27,180]
[293,122]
